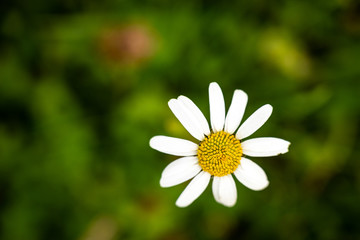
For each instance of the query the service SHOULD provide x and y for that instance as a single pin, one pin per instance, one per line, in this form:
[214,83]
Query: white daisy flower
[220,150]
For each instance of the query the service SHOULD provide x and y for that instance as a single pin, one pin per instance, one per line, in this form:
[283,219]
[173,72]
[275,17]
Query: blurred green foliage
[84,85]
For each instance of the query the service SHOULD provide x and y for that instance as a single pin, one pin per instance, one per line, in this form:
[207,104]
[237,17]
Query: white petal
[179,171]
[195,188]
[173,146]
[236,111]
[217,107]
[254,122]
[215,188]
[265,147]
[186,118]
[191,106]
[251,175]
[224,190]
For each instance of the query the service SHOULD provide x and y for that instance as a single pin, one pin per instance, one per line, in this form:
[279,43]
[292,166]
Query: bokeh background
[84,85]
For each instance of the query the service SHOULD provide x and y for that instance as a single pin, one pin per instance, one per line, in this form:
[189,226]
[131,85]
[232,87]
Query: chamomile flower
[220,151]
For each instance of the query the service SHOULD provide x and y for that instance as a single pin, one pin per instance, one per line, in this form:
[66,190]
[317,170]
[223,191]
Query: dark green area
[84,85]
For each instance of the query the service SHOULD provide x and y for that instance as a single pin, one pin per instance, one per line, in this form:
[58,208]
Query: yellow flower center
[219,153]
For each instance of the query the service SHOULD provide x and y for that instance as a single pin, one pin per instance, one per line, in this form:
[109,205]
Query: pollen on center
[219,153]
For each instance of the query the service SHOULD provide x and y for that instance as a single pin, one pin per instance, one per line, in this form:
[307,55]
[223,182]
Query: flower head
[220,151]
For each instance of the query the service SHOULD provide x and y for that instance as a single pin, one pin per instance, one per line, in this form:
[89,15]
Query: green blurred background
[84,85]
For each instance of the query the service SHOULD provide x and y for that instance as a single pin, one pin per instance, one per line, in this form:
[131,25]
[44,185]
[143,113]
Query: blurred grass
[84,85]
